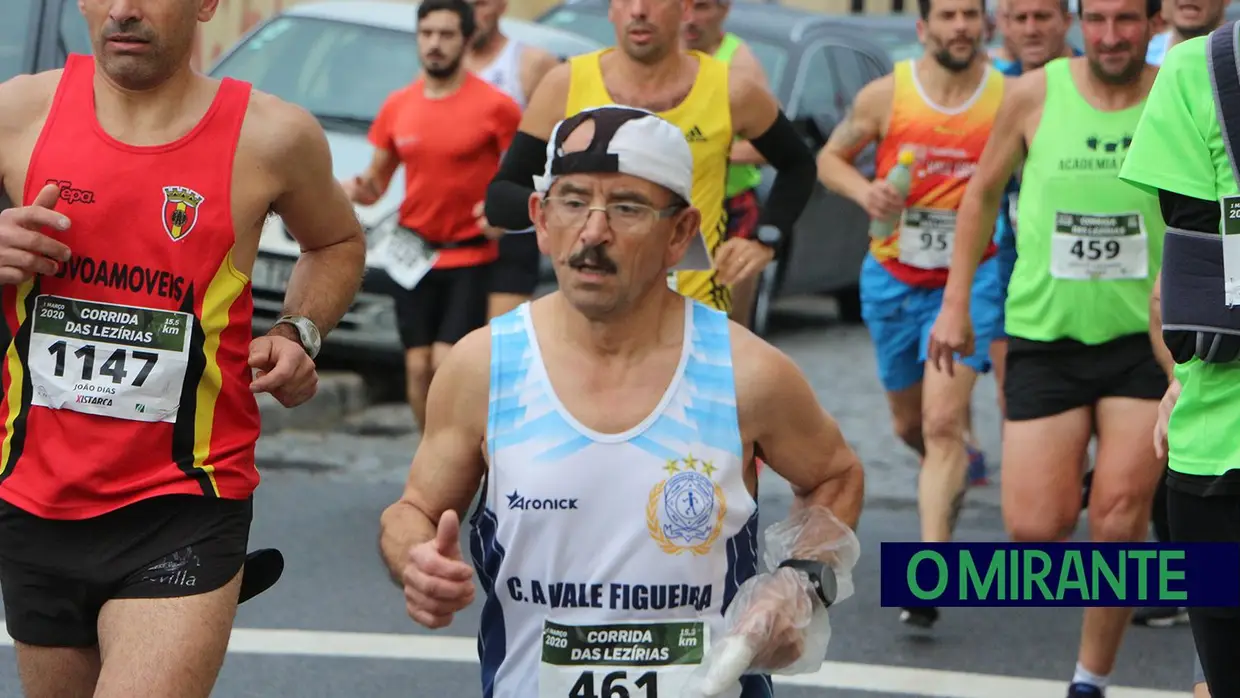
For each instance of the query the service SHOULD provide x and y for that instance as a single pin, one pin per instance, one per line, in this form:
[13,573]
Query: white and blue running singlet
[607,560]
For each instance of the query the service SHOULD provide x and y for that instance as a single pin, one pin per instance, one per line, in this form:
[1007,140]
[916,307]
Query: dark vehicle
[38,35]
[816,66]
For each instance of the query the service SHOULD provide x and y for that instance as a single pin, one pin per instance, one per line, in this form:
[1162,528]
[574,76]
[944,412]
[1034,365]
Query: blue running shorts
[899,318]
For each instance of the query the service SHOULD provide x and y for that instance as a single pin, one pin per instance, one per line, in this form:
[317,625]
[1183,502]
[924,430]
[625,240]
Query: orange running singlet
[947,143]
[125,374]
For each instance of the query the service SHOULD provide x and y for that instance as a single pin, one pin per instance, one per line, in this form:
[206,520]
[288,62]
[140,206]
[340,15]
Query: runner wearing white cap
[612,427]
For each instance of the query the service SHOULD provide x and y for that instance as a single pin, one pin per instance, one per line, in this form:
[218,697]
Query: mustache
[594,256]
[639,26]
[127,29]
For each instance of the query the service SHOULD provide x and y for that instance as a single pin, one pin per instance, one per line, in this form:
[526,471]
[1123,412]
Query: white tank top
[607,560]
[504,73]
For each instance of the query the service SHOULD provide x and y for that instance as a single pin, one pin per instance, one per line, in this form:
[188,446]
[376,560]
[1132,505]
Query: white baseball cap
[631,141]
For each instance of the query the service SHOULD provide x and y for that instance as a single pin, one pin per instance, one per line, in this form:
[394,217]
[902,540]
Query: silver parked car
[340,60]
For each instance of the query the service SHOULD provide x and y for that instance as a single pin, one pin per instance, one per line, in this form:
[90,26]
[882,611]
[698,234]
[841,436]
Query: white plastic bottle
[900,178]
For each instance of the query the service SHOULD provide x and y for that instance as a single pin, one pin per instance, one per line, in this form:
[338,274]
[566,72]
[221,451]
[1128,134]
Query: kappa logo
[72,194]
[181,206]
[686,511]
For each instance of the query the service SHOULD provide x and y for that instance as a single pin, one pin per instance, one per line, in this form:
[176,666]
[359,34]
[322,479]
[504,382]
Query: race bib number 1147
[108,360]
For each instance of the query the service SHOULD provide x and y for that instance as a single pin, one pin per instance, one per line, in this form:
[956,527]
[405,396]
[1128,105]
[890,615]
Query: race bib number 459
[620,660]
[1105,247]
[108,360]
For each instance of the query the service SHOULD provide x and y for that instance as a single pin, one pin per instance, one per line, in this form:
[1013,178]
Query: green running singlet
[1178,147]
[740,177]
[1089,246]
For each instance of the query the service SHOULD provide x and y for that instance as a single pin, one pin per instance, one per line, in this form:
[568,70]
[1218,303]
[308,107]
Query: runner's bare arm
[378,174]
[758,118]
[1161,353]
[508,196]
[790,430]
[317,215]
[25,101]
[745,64]
[370,186]
[448,466]
[979,209]
[535,64]
[863,124]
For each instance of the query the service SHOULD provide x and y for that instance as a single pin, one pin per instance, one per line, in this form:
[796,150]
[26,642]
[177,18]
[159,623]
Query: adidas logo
[694,135]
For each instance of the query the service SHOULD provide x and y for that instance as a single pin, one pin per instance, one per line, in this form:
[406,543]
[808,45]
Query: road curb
[340,394]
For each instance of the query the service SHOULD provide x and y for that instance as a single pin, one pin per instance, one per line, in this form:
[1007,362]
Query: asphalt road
[335,626]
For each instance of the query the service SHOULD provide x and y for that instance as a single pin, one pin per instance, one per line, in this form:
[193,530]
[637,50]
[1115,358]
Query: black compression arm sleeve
[795,174]
[508,196]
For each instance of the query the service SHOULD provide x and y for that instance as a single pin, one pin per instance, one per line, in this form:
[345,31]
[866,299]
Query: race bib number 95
[108,360]
[620,660]
[927,237]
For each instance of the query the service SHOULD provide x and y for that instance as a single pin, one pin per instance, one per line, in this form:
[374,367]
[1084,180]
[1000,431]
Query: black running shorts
[56,575]
[1048,378]
[446,305]
[516,270]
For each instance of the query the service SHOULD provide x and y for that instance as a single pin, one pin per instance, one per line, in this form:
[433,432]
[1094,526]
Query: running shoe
[1084,690]
[1159,616]
[922,617]
[263,569]
[977,467]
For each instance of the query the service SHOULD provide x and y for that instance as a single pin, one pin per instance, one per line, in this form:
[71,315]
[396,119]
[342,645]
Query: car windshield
[588,24]
[899,42]
[15,18]
[774,58]
[339,71]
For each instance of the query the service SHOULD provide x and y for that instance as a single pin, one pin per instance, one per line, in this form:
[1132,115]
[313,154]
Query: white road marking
[877,678]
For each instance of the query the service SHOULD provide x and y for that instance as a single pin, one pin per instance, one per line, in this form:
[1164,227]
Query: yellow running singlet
[705,117]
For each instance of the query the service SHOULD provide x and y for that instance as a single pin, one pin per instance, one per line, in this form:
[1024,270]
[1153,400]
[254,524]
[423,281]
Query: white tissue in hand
[731,659]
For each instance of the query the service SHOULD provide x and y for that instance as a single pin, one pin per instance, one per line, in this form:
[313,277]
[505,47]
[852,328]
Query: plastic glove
[776,623]
[813,533]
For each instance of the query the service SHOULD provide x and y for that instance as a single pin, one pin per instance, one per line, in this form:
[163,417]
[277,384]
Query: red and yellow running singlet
[947,144]
[125,374]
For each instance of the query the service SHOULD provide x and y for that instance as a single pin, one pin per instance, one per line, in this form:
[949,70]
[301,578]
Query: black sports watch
[821,578]
[769,235]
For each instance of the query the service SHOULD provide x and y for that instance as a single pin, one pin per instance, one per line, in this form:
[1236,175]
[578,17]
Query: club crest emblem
[686,510]
[180,211]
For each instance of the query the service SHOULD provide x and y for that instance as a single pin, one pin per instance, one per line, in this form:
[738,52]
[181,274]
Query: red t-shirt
[450,149]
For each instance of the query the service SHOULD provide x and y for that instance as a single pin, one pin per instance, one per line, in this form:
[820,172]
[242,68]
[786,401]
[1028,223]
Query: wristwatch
[769,235]
[821,578]
[307,332]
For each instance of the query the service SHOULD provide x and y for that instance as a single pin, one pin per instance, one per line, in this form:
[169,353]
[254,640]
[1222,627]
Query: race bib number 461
[620,660]
[108,360]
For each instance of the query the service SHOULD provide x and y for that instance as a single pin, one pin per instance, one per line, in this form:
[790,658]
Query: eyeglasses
[568,212]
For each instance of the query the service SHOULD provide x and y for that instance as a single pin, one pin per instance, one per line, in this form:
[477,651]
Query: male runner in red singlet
[448,130]
[128,418]
[941,107]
